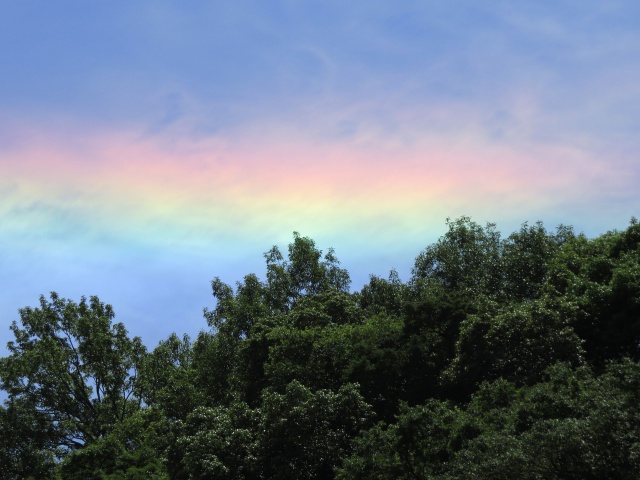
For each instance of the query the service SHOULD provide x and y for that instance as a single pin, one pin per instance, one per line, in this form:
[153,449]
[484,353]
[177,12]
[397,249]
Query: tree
[570,425]
[70,367]
[517,344]
[25,449]
[167,378]
[457,276]
[298,434]
[307,433]
[415,446]
[306,287]
[466,258]
[601,277]
[131,451]
[526,255]
[220,443]
[304,273]
[381,295]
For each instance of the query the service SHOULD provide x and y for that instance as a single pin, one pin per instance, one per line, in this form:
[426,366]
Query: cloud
[164,139]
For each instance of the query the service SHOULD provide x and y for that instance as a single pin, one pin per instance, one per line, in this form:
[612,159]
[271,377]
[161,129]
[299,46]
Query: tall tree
[466,258]
[73,368]
[601,277]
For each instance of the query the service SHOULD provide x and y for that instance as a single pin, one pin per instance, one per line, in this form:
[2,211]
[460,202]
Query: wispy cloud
[138,138]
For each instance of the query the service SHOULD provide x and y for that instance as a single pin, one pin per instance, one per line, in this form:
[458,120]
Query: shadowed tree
[75,369]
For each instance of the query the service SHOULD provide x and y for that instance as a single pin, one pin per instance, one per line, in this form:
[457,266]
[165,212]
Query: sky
[147,147]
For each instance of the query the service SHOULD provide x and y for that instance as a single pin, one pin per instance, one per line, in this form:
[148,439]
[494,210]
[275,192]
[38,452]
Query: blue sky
[539,102]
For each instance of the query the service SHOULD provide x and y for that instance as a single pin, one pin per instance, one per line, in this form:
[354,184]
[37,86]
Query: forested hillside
[500,358]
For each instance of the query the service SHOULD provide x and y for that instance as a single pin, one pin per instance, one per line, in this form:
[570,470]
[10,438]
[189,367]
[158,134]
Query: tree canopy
[500,357]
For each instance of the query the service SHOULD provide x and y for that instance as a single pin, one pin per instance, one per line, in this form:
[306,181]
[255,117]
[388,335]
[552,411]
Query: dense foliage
[499,358]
